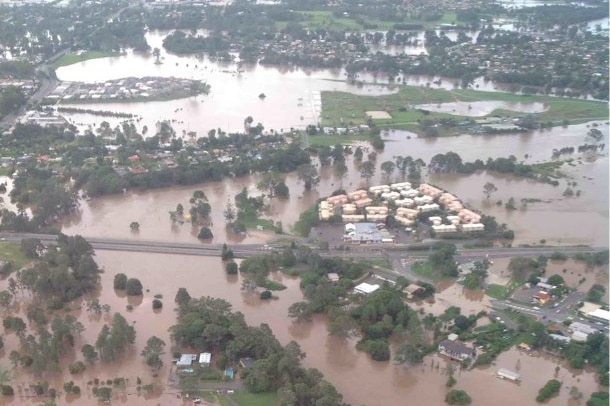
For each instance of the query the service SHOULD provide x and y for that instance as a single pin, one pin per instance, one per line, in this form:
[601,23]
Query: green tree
[134,226]
[367,170]
[308,174]
[182,297]
[555,280]
[205,234]
[114,339]
[387,168]
[409,353]
[231,268]
[152,352]
[550,389]
[598,399]
[89,353]
[120,281]
[596,293]
[133,287]
[458,397]
[489,188]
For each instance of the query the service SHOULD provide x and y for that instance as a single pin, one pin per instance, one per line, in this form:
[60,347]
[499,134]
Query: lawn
[10,251]
[341,108]
[72,58]
[255,399]
[497,291]
[426,270]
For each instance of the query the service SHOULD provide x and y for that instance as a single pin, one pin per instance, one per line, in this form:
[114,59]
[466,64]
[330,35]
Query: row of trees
[452,163]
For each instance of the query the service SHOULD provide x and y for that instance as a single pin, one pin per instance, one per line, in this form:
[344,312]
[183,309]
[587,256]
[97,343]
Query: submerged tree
[489,188]
[155,348]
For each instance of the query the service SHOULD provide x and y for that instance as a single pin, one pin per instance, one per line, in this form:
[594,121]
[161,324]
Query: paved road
[244,250]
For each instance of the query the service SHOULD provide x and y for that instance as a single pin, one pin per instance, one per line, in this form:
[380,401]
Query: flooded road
[361,380]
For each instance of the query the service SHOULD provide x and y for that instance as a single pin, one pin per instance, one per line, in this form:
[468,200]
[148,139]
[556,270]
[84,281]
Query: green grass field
[10,251]
[326,19]
[497,291]
[340,108]
[255,399]
[425,269]
[70,59]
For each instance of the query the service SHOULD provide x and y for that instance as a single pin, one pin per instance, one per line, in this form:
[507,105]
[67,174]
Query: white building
[365,288]
[205,358]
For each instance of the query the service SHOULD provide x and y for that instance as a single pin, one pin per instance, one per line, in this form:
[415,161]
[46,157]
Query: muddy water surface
[549,215]
[361,380]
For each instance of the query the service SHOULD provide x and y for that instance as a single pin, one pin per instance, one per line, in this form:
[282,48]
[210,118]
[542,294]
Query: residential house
[455,349]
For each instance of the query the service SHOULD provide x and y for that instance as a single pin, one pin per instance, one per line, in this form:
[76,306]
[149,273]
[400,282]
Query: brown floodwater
[361,380]
[292,94]
[552,217]
[577,274]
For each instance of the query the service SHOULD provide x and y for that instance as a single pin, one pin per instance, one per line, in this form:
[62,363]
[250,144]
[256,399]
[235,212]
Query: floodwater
[552,217]
[291,95]
[361,380]
[449,293]
[482,108]
[577,274]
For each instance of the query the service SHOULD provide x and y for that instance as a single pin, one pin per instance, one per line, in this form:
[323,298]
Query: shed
[365,288]
[186,360]
[333,277]
[205,358]
[412,290]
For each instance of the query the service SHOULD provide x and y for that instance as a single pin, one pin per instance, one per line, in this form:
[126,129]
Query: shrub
[7,390]
[266,294]
[157,304]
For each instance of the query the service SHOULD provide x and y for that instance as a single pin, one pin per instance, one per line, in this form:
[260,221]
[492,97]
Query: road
[245,250]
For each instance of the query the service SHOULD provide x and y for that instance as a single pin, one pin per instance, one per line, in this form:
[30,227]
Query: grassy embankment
[326,19]
[72,58]
[340,109]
